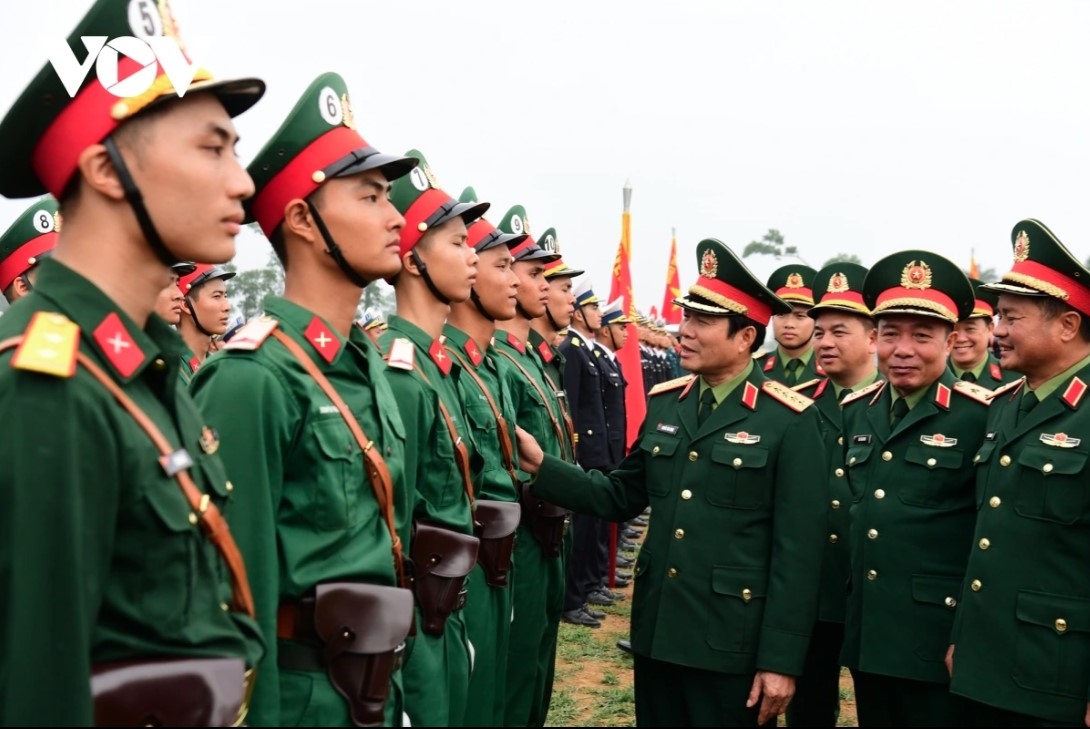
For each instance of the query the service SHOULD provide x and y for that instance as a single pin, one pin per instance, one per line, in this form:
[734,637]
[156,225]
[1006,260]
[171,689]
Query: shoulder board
[783,393]
[973,391]
[1011,387]
[49,346]
[252,334]
[576,342]
[401,356]
[671,384]
[872,388]
[803,385]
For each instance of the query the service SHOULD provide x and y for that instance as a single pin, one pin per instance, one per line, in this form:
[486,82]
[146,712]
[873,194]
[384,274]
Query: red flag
[629,356]
[974,272]
[654,314]
[671,312]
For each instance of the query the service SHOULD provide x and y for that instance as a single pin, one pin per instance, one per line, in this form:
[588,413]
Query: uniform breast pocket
[335,494]
[1052,647]
[659,453]
[481,418]
[935,479]
[1052,484]
[740,479]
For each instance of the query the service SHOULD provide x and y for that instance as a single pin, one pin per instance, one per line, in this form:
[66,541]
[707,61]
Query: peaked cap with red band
[46,130]
[317,141]
[986,302]
[29,239]
[558,268]
[793,283]
[920,283]
[839,286]
[483,235]
[419,198]
[515,222]
[1044,267]
[725,287]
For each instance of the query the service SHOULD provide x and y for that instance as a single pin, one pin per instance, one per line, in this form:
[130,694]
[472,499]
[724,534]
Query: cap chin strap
[136,202]
[335,250]
[522,312]
[193,316]
[480,307]
[420,266]
[549,313]
[25,278]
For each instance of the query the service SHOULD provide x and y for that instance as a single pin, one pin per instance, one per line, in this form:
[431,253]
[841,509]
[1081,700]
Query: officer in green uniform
[539,545]
[971,358]
[113,546]
[206,314]
[491,418]
[26,242]
[909,444]
[1020,649]
[438,269]
[727,580]
[793,361]
[317,518]
[844,345]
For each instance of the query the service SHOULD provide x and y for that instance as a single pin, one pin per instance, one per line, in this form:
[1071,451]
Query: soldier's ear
[1070,323]
[99,173]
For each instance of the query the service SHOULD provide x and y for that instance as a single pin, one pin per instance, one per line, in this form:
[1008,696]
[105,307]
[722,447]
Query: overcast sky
[860,127]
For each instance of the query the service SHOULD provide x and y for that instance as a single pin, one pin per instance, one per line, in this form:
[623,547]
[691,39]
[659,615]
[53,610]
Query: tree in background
[843,258]
[772,244]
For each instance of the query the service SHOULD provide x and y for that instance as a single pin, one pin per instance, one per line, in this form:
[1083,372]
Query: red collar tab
[118,346]
[324,341]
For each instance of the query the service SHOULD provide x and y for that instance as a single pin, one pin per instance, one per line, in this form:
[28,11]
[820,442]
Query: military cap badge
[1021,246]
[709,264]
[916,276]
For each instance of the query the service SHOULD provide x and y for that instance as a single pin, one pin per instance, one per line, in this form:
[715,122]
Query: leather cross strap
[562,404]
[208,514]
[377,471]
[544,398]
[506,447]
[461,453]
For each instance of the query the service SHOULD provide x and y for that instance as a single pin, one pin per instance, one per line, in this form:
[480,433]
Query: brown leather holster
[547,522]
[363,628]
[169,692]
[496,522]
[441,559]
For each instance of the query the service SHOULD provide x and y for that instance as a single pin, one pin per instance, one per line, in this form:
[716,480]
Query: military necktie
[968,376]
[707,403]
[793,368]
[1027,403]
[900,409]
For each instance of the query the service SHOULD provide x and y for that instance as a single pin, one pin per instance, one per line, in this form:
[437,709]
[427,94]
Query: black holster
[547,522]
[441,559]
[169,692]
[363,628]
[496,523]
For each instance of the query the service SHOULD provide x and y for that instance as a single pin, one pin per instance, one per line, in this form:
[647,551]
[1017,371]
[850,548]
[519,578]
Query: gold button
[655,451]
[872,533]
[835,503]
[931,462]
[747,595]
[872,574]
[1061,625]
[590,432]
[736,462]
[879,494]
[950,602]
[976,585]
[224,607]
[839,472]
[693,455]
[840,440]
[976,458]
[1005,461]
[1047,468]
[686,494]
[984,543]
[994,502]
[159,364]
[230,487]
[851,461]
[887,456]
[833,539]
[671,573]
[679,534]
[192,518]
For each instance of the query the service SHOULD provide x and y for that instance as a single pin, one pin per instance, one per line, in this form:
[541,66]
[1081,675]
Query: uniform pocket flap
[1059,612]
[743,583]
[858,455]
[740,456]
[932,457]
[335,439]
[659,446]
[936,589]
[481,416]
[1052,460]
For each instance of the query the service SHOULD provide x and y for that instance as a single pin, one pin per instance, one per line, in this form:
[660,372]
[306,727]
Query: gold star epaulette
[973,391]
[49,346]
[671,385]
[252,334]
[875,388]
[783,393]
[804,385]
[1011,387]
[575,342]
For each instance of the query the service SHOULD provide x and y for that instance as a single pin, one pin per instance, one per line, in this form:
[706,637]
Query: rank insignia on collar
[545,352]
[939,440]
[516,343]
[322,340]
[210,440]
[194,363]
[1074,393]
[742,437]
[1060,440]
[666,428]
[996,371]
[770,363]
[474,352]
[942,396]
[118,346]
[749,396]
[439,357]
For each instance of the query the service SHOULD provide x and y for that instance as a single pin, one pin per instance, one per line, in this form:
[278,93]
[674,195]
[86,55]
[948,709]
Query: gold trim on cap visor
[923,306]
[1035,283]
[723,301]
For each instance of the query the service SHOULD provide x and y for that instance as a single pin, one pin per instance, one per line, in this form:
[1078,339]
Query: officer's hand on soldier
[530,453]
[776,689]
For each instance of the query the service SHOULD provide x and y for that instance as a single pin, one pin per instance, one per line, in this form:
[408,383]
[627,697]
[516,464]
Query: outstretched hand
[530,453]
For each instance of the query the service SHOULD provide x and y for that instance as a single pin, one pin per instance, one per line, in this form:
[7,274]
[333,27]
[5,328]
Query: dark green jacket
[773,368]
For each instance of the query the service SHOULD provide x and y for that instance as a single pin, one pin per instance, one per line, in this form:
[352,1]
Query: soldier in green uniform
[844,346]
[170,302]
[909,444]
[319,513]
[1020,650]
[971,358]
[491,418]
[25,244]
[727,579]
[113,547]
[205,315]
[793,361]
[438,269]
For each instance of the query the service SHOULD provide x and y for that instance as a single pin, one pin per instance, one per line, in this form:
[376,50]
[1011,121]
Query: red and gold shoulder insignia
[810,383]
[1011,387]
[49,346]
[973,391]
[787,396]
[874,388]
[672,385]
